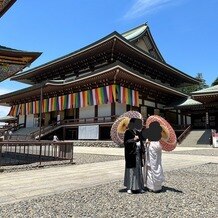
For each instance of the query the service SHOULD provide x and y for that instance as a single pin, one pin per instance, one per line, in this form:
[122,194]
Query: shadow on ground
[164,189]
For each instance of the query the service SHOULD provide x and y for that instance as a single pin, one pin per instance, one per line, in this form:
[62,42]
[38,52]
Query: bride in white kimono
[155,176]
[154,171]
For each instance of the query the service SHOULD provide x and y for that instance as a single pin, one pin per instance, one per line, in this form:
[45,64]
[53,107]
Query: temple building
[82,93]
[202,105]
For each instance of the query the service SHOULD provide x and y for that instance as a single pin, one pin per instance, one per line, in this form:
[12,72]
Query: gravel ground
[78,159]
[202,152]
[190,192]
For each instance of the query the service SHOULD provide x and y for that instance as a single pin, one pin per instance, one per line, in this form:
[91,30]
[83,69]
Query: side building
[202,106]
[84,91]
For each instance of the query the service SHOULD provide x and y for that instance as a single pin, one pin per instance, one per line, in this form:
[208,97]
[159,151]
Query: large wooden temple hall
[83,92]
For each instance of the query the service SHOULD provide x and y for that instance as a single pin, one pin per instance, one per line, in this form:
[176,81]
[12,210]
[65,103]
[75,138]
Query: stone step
[197,138]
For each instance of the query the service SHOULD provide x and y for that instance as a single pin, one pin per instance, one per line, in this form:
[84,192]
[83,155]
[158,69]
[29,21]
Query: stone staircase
[23,133]
[197,138]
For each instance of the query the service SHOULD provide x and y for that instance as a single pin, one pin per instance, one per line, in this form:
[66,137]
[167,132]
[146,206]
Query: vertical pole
[71,159]
[40,114]
[40,155]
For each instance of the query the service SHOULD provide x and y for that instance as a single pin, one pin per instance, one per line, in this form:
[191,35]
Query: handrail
[19,152]
[93,119]
[184,134]
[101,119]
[11,128]
[180,127]
[15,127]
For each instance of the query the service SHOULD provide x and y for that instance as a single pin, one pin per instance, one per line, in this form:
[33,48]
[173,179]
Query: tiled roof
[189,102]
[212,89]
[134,33]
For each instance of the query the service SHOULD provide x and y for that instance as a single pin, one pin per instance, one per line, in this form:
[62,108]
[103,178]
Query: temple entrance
[104,133]
[71,134]
[198,121]
[53,117]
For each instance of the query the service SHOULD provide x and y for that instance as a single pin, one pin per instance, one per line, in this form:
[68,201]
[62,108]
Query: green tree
[215,82]
[192,88]
[203,84]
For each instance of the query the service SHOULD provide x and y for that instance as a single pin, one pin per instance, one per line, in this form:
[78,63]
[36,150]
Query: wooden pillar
[177,119]
[64,133]
[113,110]
[96,113]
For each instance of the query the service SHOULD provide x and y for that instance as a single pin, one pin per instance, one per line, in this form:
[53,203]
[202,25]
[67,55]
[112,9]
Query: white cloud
[142,7]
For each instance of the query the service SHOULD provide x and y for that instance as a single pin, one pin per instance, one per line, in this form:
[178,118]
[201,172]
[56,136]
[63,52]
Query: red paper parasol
[168,140]
[118,136]
[115,136]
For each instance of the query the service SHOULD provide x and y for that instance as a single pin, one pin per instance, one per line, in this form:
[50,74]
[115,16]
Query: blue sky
[185,31]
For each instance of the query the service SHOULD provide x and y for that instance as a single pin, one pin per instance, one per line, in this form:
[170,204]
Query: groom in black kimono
[134,150]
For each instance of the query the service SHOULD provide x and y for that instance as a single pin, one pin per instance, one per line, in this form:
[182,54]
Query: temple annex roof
[189,102]
[13,61]
[209,90]
[5,5]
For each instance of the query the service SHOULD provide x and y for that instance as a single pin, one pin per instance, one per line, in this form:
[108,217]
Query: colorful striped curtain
[90,97]
[23,109]
[14,111]
[53,104]
[76,100]
[11,111]
[45,105]
[109,94]
[62,102]
[69,101]
[98,96]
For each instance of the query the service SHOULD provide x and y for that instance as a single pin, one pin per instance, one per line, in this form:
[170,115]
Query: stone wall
[90,143]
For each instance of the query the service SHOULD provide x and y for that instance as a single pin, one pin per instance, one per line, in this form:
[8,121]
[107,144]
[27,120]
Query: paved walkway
[22,185]
[120,151]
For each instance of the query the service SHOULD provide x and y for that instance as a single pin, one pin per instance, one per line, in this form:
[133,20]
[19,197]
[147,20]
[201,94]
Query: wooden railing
[184,134]
[26,152]
[54,125]
[89,120]
[180,127]
[7,128]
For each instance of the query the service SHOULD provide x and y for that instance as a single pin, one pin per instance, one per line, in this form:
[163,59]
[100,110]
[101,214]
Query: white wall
[104,110]
[21,119]
[120,108]
[30,120]
[188,120]
[87,112]
[149,103]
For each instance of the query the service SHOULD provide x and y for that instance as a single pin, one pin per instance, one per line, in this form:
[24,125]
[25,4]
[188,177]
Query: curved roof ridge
[188,102]
[135,32]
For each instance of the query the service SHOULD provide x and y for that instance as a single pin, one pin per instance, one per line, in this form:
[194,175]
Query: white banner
[89,132]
